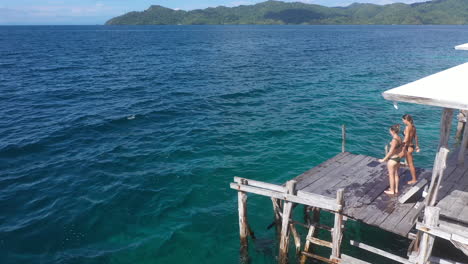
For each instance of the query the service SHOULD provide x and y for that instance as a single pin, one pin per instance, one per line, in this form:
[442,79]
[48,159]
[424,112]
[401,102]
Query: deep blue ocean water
[118,143]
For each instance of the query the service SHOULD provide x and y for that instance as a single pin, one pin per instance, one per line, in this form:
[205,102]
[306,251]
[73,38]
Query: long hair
[395,128]
[408,118]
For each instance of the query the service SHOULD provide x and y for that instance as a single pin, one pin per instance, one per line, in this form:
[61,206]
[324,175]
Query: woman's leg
[391,177]
[397,177]
[410,160]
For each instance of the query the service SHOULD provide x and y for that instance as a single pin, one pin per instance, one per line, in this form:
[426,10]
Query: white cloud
[58,13]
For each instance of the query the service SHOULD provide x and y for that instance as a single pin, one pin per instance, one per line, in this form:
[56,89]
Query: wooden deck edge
[380,252]
[345,259]
[300,197]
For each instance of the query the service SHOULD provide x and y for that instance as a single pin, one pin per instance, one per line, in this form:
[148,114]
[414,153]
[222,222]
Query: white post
[431,218]
[287,208]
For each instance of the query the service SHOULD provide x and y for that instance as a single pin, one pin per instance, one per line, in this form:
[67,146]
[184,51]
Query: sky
[92,12]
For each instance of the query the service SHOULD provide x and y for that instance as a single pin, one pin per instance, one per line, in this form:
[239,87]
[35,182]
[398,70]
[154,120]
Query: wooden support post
[445,125]
[437,175]
[431,218]
[307,210]
[463,146]
[297,239]
[337,234]
[343,137]
[277,211]
[287,208]
[243,226]
[462,116]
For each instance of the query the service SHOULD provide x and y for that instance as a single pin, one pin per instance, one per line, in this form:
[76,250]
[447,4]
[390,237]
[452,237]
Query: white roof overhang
[448,89]
[462,47]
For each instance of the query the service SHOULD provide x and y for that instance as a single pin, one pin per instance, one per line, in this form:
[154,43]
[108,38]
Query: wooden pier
[364,181]
[352,186]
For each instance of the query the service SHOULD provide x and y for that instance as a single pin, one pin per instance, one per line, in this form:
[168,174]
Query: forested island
[279,13]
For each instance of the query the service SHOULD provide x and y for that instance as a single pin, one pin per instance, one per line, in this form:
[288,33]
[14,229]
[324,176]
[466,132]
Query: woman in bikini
[393,158]
[411,137]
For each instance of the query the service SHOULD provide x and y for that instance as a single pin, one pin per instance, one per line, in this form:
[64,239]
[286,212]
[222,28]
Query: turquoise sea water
[118,143]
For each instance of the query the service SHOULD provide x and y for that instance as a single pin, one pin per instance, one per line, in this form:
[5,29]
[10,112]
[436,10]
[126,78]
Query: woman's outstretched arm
[416,139]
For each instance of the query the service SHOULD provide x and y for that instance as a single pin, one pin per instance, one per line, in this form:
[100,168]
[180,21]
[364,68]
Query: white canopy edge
[462,47]
[448,89]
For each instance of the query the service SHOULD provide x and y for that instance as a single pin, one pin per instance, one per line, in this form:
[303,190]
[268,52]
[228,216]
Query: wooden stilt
[431,218]
[243,226]
[462,116]
[287,208]
[437,175]
[337,234]
[297,239]
[445,125]
[307,210]
[343,137]
[277,210]
[463,146]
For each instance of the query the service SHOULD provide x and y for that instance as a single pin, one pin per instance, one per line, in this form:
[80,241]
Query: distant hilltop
[279,13]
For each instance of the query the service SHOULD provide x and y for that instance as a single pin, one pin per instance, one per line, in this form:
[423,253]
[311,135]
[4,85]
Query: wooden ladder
[312,237]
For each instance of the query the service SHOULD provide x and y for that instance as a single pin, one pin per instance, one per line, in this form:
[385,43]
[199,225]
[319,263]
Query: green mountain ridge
[279,13]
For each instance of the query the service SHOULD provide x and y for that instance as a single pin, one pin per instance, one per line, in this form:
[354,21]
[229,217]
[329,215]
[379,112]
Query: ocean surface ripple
[119,143]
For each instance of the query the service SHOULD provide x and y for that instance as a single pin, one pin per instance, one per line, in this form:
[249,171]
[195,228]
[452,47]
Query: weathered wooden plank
[307,246]
[315,170]
[454,173]
[409,220]
[356,191]
[453,204]
[287,208]
[463,216]
[310,255]
[320,242]
[381,187]
[277,214]
[260,184]
[351,175]
[243,226]
[323,184]
[445,125]
[413,190]
[431,219]
[435,231]
[337,234]
[391,222]
[385,205]
[462,149]
[297,239]
[454,228]
[380,252]
[345,259]
[440,232]
[445,189]
[354,175]
[382,205]
[301,197]
[437,175]
[437,260]
[387,213]
[325,173]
